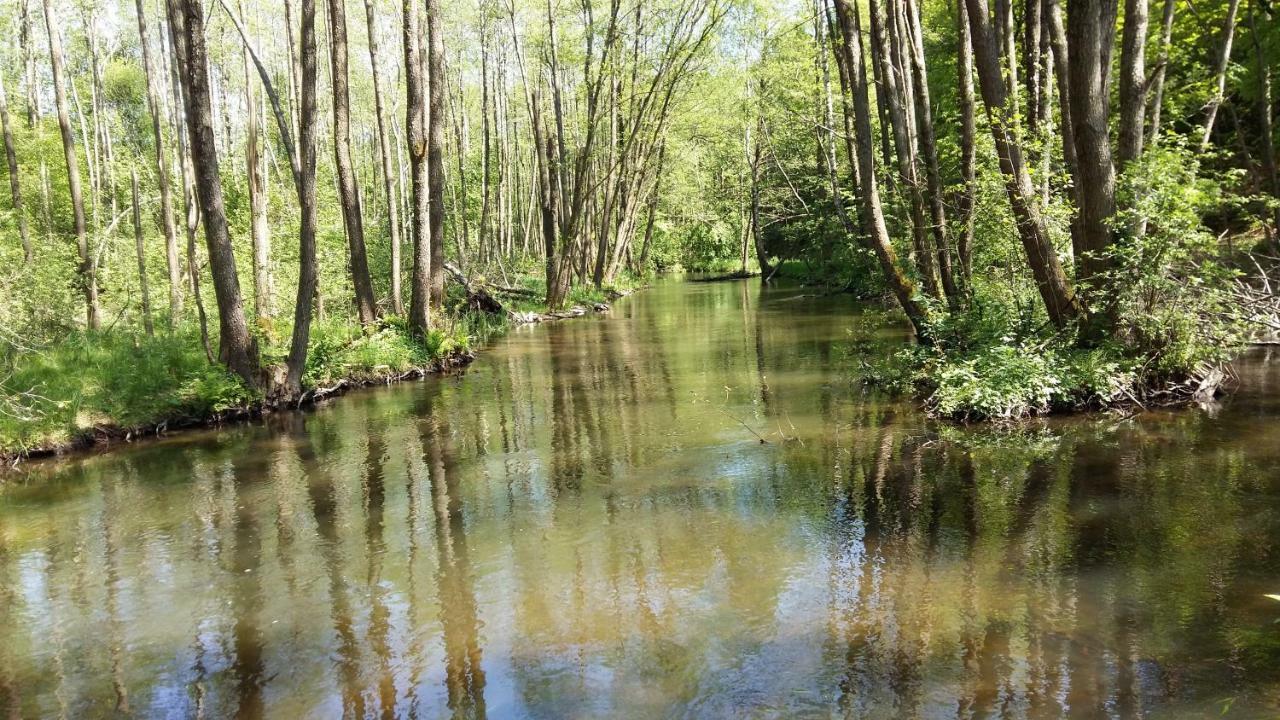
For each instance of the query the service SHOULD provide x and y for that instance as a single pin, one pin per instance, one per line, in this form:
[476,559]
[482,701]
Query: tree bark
[168,224]
[1221,64]
[348,191]
[1055,289]
[876,231]
[1162,65]
[143,288]
[190,203]
[237,347]
[1096,178]
[384,155]
[435,147]
[1133,82]
[1265,122]
[929,148]
[308,271]
[15,186]
[88,263]
[263,292]
[415,128]
[968,155]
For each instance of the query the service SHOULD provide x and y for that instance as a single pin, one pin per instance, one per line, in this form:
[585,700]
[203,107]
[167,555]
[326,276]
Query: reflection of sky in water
[587,524]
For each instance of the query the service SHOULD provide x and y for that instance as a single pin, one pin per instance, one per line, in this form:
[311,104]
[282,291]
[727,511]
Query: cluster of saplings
[306,161]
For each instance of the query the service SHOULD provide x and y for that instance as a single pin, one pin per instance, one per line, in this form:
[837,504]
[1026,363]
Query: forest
[221,206]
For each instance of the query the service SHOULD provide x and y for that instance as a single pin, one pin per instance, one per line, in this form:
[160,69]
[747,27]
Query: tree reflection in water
[582,526]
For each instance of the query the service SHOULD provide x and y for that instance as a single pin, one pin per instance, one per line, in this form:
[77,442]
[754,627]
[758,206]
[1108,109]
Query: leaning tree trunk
[876,231]
[348,192]
[237,347]
[88,263]
[1221,64]
[929,148]
[1055,289]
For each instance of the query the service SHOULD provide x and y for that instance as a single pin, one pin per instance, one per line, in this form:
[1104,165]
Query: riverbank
[93,390]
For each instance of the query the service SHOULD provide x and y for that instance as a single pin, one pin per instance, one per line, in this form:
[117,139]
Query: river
[686,508]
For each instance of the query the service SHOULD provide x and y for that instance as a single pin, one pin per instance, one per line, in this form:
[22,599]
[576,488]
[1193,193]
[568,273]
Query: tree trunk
[1095,179]
[190,204]
[308,271]
[260,230]
[1133,82]
[15,187]
[1265,123]
[1162,65]
[904,144]
[237,347]
[384,154]
[757,237]
[142,258]
[415,128]
[88,263]
[168,224]
[876,232]
[30,81]
[348,191]
[929,148]
[1059,299]
[1221,64]
[435,148]
[968,155]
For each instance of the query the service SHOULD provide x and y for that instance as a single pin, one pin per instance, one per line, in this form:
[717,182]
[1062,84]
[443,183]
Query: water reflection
[588,524]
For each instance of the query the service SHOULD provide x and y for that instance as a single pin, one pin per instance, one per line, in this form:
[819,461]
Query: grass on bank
[52,395]
[55,393]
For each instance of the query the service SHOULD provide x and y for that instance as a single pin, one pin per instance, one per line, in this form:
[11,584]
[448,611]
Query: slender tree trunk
[88,263]
[1162,65]
[26,41]
[435,147]
[1055,289]
[263,300]
[876,231]
[142,257]
[929,148]
[168,224]
[1265,122]
[384,154]
[415,128]
[968,136]
[15,187]
[1221,64]
[237,347]
[757,236]
[308,270]
[348,191]
[904,143]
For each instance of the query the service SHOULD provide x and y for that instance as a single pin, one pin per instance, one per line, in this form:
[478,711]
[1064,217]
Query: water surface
[686,509]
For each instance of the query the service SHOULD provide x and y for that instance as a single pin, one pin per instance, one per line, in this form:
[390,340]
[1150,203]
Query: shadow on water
[686,509]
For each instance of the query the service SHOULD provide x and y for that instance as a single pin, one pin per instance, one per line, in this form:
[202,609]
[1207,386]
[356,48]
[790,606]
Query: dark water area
[588,524]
